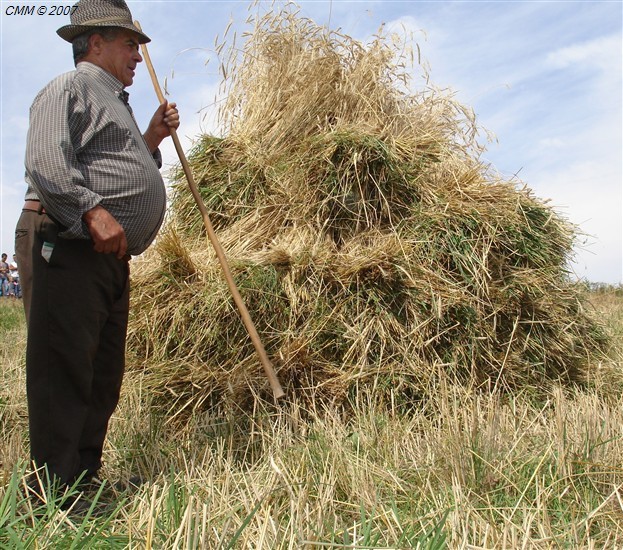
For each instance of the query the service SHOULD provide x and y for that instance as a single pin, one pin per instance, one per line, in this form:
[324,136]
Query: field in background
[463,470]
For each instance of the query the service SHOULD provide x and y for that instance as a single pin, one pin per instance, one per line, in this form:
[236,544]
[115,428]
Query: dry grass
[488,472]
[372,246]
[13,395]
[465,469]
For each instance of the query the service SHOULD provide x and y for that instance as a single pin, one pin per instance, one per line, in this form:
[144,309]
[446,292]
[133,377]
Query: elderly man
[95,197]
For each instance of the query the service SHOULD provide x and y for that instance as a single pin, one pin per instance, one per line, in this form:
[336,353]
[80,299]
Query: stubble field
[463,469]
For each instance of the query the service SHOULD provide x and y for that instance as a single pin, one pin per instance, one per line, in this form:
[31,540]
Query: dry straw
[370,242]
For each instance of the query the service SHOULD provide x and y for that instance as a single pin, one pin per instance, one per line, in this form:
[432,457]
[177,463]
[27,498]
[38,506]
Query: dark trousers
[77,311]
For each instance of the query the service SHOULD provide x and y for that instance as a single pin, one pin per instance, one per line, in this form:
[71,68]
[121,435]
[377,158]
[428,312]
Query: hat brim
[69,32]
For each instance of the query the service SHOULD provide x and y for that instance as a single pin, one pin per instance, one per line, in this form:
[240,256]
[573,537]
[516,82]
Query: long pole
[244,312]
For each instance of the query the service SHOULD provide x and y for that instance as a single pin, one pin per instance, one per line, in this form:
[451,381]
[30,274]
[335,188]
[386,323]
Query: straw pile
[370,243]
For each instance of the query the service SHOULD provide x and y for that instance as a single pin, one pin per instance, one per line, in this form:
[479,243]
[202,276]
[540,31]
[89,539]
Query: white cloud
[603,52]
[588,193]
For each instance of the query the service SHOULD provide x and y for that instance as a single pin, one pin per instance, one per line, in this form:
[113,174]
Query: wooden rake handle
[244,313]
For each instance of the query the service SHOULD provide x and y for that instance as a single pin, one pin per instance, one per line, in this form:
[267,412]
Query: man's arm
[52,167]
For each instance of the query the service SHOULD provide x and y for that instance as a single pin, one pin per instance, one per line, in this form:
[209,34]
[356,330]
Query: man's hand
[107,234]
[165,118]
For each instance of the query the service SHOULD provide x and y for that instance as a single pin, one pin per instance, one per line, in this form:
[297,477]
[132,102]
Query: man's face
[119,57]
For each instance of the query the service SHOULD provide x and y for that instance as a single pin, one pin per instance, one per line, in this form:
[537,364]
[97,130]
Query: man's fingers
[172,116]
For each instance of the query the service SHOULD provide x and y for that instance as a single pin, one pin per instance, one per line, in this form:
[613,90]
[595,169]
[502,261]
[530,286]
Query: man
[95,197]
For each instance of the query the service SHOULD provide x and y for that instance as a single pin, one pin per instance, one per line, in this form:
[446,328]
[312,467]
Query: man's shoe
[77,505]
[71,500]
[94,484]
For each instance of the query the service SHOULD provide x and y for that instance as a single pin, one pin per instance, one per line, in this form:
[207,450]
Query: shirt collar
[105,78]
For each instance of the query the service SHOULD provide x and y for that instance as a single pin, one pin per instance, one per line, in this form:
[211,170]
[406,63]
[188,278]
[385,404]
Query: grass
[12,315]
[463,469]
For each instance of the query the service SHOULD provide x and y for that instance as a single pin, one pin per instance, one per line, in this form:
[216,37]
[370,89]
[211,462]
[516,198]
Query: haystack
[371,244]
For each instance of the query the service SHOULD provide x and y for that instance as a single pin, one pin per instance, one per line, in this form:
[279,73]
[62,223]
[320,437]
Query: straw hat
[99,13]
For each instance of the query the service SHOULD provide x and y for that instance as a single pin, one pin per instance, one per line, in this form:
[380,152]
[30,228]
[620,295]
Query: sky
[545,77]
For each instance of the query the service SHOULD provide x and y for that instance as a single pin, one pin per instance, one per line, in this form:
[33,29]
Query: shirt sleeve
[51,160]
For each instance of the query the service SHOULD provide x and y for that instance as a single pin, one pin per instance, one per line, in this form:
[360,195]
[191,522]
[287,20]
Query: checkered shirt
[84,148]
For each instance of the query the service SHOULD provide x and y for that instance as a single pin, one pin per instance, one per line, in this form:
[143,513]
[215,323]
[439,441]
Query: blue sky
[544,76]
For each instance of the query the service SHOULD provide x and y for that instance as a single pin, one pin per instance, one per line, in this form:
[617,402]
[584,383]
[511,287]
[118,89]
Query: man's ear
[95,43]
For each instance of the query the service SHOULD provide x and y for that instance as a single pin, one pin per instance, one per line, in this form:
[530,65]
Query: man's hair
[80,44]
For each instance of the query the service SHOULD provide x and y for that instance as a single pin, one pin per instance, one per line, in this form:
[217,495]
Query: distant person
[95,197]
[4,276]
[14,288]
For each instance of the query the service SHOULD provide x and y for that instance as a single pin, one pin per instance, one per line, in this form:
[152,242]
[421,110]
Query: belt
[35,206]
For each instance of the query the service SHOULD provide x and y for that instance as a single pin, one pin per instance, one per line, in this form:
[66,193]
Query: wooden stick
[244,313]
